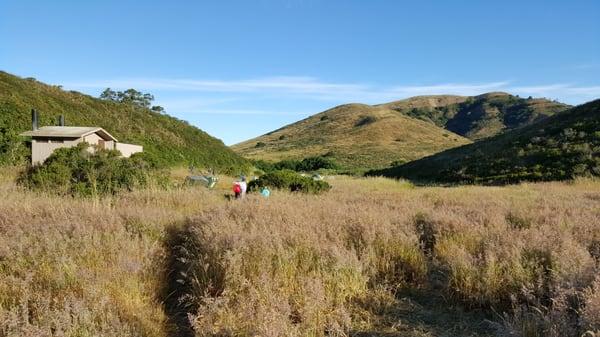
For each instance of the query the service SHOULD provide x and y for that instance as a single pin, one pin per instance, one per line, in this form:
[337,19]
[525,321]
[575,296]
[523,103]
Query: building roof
[68,132]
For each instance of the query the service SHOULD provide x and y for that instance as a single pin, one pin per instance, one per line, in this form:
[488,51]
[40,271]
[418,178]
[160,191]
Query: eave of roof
[68,132]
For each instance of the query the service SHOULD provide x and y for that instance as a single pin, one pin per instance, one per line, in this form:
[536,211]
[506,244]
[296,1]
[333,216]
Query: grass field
[371,257]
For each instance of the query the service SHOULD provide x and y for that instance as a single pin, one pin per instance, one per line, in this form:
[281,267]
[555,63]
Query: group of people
[240,187]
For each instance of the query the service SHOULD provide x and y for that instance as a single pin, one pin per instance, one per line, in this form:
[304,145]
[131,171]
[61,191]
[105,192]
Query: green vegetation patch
[309,164]
[486,115]
[78,172]
[127,115]
[289,180]
[560,147]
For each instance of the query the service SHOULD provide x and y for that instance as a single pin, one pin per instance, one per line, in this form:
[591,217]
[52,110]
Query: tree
[157,108]
[129,96]
[108,95]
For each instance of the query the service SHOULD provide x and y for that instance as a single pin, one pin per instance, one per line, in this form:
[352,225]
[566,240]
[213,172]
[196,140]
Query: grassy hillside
[478,116]
[357,136]
[556,148]
[165,139]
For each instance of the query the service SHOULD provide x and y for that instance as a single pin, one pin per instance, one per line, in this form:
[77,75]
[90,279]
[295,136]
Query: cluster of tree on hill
[487,115]
[133,97]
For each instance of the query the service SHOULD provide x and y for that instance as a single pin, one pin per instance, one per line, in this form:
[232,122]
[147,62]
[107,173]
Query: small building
[45,140]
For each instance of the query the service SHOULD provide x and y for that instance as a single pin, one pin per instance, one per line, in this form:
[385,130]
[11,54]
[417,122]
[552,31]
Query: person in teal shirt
[265,192]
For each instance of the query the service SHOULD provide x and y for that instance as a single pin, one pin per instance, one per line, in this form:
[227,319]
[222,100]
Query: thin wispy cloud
[253,112]
[205,95]
[299,85]
[450,88]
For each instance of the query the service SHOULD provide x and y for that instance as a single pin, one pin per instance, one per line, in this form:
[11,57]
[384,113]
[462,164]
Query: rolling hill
[166,140]
[557,148]
[478,117]
[360,136]
[356,136]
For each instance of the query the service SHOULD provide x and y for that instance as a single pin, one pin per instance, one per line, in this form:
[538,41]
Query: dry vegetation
[85,267]
[372,257]
[357,136]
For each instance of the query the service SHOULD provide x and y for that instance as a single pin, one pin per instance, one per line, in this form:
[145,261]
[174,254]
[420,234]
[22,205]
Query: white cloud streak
[253,112]
[297,85]
[313,88]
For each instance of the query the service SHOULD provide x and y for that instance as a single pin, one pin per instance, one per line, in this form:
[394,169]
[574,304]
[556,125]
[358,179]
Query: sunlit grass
[299,265]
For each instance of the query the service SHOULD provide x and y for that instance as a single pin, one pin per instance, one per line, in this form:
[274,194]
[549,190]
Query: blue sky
[238,69]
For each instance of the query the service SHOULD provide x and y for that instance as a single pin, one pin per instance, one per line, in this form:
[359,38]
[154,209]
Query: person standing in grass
[265,192]
[243,187]
[237,189]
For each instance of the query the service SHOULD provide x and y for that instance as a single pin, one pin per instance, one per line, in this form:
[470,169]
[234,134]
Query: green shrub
[317,163]
[78,172]
[12,149]
[305,165]
[365,120]
[290,180]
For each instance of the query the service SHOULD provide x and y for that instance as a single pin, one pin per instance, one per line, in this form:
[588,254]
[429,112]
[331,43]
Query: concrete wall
[128,149]
[92,139]
[42,149]
[109,145]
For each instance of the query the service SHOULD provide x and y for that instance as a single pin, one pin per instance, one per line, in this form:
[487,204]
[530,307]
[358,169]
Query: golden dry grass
[85,267]
[372,257]
[391,136]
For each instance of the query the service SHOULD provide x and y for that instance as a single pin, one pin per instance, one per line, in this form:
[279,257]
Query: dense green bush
[305,165]
[12,149]
[317,163]
[78,172]
[290,180]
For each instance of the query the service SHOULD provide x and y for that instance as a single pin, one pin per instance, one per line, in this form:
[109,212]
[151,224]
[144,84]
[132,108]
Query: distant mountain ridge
[361,136]
[559,147]
[166,140]
[477,117]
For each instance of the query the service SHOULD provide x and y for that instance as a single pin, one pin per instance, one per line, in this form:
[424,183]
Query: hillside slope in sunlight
[357,136]
[361,136]
[166,139]
[557,148]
